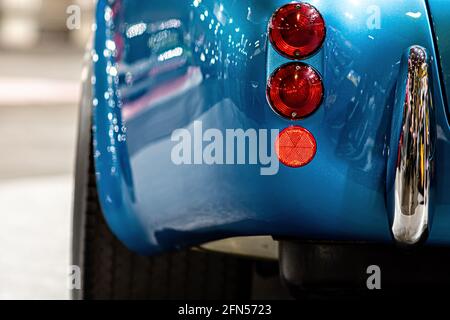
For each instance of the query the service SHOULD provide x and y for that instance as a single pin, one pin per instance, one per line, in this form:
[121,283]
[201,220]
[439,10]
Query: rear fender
[162,66]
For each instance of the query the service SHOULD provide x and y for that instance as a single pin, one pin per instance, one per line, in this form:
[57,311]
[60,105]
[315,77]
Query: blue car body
[160,66]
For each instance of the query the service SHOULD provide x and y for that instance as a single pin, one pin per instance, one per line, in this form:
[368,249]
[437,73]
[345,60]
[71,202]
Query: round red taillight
[295,90]
[297,30]
[295,147]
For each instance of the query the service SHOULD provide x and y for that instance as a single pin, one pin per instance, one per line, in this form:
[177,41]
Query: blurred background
[40,71]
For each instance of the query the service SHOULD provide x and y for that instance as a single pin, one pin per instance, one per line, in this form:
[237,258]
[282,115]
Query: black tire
[110,271]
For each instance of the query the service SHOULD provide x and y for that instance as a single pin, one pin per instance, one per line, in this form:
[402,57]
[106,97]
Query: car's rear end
[323,124]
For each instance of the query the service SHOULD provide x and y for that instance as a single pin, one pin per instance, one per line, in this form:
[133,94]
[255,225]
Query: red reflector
[295,90]
[297,30]
[295,147]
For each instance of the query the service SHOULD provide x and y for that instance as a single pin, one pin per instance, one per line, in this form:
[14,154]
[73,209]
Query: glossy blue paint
[161,65]
[440,11]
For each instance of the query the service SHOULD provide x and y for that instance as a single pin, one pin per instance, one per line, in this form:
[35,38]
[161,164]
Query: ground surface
[38,114]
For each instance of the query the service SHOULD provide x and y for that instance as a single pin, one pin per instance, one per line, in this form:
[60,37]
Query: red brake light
[295,90]
[295,147]
[297,30]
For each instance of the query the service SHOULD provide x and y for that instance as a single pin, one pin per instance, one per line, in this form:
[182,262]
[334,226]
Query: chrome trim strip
[410,155]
